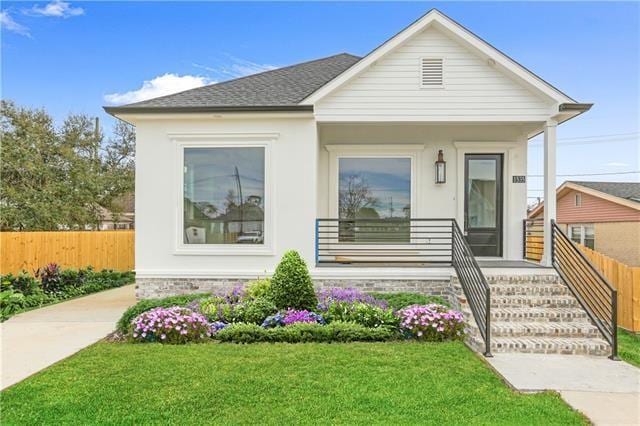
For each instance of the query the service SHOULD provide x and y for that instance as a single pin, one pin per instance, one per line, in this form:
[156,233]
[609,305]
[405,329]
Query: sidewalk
[36,339]
[608,392]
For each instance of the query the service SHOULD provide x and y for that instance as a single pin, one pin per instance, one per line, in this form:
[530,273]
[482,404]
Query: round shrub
[255,311]
[432,322]
[173,325]
[217,308]
[291,285]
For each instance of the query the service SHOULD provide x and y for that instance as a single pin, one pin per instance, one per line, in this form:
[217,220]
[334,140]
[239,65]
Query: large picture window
[376,194]
[224,195]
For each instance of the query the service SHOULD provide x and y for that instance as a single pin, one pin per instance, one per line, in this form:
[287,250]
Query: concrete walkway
[36,339]
[608,392]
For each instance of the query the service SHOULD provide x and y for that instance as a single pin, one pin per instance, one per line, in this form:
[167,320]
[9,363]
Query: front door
[483,203]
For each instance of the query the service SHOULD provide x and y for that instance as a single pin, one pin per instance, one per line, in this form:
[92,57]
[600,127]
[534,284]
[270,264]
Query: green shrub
[21,283]
[255,311]
[361,313]
[305,332]
[258,288]
[242,333]
[124,322]
[291,285]
[397,301]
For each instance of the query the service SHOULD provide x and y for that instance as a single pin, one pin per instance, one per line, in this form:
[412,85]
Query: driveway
[608,392]
[34,340]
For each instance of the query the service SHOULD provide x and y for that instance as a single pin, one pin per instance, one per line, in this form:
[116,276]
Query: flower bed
[271,311]
[52,284]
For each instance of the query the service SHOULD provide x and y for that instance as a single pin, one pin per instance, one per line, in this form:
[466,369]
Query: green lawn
[629,347]
[363,383]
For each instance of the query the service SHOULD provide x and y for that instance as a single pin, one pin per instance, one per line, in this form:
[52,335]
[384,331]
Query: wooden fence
[626,280]
[70,249]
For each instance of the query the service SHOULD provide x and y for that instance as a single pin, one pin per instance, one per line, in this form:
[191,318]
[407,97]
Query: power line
[593,174]
[612,135]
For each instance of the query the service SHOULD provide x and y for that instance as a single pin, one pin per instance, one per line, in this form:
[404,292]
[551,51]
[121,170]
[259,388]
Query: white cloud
[237,68]
[57,8]
[7,22]
[616,164]
[159,86]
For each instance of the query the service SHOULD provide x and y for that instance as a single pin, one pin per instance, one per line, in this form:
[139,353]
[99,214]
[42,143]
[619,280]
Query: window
[583,234]
[578,200]
[376,192]
[224,195]
[431,72]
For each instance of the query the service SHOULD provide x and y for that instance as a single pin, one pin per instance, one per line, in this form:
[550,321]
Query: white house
[353,141]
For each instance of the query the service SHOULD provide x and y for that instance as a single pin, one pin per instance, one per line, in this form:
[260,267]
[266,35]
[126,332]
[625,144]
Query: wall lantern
[441,169]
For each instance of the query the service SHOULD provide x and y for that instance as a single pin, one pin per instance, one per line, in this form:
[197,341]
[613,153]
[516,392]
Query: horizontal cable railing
[383,241]
[473,283]
[533,239]
[594,293]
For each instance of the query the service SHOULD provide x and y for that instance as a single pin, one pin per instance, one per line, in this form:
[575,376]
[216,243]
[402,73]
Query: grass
[360,383]
[629,347]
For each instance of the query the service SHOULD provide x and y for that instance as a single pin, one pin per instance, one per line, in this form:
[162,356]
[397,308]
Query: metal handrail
[597,297]
[473,283]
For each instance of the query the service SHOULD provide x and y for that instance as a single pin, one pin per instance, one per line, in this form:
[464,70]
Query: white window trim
[427,87]
[583,234]
[577,199]
[225,140]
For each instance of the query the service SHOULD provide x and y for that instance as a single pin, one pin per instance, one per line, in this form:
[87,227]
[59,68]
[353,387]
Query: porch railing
[594,293]
[411,242]
[533,239]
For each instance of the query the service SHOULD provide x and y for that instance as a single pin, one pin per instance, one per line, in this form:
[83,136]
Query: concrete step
[548,301]
[544,329]
[552,345]
[528,314]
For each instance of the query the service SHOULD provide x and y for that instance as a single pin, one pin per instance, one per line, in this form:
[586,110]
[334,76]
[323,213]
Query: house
[604,216]
[414,155]
[120,216]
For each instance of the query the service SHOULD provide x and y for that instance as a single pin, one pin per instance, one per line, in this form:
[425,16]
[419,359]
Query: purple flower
[170,325]
[431,322]
[293,316]
[328,296]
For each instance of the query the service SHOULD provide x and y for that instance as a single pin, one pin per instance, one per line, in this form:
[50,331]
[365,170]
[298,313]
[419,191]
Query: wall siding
[472,88]
[592,210]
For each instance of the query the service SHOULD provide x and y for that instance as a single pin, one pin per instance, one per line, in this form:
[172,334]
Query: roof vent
[431,74]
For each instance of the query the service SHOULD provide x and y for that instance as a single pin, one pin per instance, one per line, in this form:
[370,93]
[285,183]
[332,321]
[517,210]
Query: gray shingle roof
[279,89]
[626,190]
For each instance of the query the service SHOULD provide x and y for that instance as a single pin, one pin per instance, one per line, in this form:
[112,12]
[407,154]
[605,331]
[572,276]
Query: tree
[354,196]
[58,178]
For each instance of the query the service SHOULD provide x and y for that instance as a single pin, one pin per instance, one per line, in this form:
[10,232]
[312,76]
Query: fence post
[487,330]
[317,242]
[552,240]
[614,325]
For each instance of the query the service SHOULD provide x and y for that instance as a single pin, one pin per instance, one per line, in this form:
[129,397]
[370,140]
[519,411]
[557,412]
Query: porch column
[549,186]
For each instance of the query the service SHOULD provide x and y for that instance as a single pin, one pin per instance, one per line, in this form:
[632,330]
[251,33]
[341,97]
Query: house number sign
[519,179]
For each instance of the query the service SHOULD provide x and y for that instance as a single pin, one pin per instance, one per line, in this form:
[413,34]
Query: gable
[592,209]
[473,88]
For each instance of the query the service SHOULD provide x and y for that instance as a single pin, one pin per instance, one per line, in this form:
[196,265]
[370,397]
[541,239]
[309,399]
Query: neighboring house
[604,216]
[121,217]
[230,175]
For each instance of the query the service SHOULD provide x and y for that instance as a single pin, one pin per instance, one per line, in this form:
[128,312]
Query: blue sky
[78,56]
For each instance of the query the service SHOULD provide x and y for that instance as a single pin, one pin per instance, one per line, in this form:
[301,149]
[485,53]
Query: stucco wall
[619,240]
[293,173]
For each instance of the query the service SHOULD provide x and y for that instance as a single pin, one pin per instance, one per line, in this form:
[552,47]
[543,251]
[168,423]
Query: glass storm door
[483,203]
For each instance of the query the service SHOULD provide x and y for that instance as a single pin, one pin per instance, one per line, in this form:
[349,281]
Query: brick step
[528,314]
[549,301]
[529,290]
[524,279]
[544,329]
[552,345]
